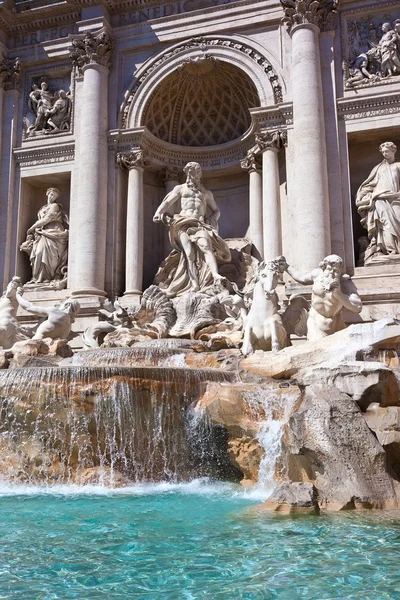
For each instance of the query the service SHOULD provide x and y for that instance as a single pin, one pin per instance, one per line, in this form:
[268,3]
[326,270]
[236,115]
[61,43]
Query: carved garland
[203,43]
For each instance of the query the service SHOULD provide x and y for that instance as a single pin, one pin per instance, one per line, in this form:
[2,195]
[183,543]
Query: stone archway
[246,56]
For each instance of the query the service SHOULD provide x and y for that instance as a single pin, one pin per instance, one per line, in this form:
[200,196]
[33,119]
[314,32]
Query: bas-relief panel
[371,44]
[47,102]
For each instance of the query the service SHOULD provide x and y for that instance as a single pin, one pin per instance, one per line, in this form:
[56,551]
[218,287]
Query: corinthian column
[270,143]
[304,19]
[135,162]
[252,165]
[91,55]
[9,130]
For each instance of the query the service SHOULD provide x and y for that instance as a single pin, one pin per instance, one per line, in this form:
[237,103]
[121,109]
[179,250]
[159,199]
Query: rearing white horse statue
[263,329]
[9,328]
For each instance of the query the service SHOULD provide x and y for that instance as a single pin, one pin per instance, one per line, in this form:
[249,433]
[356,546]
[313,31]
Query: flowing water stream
[58,424]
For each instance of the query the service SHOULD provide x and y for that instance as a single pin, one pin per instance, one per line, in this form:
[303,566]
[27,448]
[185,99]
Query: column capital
[270,140]
[309,12]
[251,162]
[91,48]
[10,72]
[172,174]
[135,158]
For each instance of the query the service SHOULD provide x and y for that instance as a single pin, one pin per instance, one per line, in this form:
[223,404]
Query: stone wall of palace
[284,108]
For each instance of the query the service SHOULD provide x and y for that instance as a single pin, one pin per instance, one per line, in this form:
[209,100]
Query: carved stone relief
[48,108]
[373,49]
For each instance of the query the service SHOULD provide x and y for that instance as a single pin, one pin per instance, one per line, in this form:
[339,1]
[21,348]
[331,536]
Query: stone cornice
[41,17]
[49,154]
[313,12]
[350,109]
[162,154]
[273,117]
[15,18]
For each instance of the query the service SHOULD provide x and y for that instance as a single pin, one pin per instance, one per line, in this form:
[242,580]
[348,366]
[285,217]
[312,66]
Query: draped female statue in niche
[378,203]
[47,241]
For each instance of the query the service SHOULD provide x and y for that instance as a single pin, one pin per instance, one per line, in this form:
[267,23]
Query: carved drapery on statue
[197,247]
[378,203]
[315,12]
[47,243]
[172,276]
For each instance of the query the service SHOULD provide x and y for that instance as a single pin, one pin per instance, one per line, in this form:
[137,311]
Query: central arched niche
[205,102]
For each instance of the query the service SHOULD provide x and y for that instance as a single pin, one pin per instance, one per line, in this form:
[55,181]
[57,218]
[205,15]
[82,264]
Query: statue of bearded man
[378,203]
[193,233]
[332,290]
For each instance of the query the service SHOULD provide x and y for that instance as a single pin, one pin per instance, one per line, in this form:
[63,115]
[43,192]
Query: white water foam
[197,487]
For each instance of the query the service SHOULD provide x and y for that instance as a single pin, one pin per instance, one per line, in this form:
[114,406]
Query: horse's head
[268,275]
[12,287]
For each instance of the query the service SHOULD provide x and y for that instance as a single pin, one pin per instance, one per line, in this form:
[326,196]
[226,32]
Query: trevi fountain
[200,317]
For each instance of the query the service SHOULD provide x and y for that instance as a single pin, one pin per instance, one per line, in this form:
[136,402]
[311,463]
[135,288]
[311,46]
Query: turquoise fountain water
[195,541]
[179,538]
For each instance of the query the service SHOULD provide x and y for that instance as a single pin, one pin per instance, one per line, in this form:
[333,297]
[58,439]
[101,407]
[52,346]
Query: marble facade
[284,105]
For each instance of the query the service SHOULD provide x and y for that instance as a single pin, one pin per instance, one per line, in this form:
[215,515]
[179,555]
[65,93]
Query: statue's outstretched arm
[303,278]
[41,311]
[169,200]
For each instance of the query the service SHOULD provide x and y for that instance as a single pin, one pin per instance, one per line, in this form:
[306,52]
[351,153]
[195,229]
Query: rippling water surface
[189,541]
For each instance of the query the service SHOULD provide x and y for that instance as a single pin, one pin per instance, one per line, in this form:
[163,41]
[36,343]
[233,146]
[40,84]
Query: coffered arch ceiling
[205,102]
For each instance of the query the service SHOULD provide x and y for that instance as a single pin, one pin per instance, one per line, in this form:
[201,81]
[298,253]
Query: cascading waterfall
[271,411]
[59,424]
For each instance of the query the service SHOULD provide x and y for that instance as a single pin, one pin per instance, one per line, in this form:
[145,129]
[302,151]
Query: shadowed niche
[203,103]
